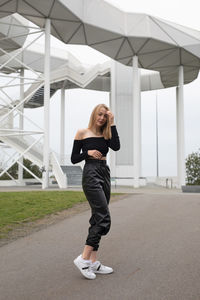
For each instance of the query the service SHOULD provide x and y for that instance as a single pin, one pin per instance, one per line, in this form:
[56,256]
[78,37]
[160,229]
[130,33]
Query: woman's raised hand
[95,154]
[110,117]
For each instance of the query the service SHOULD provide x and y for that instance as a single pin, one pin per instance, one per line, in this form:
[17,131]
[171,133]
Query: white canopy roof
[159,44]
[67,71]
[10,27]
[33,57]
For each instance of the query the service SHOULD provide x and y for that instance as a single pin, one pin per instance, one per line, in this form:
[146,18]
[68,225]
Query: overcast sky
[182,12]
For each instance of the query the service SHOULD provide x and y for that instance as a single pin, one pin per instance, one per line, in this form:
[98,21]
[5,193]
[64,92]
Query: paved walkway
[153,247]
[150,188]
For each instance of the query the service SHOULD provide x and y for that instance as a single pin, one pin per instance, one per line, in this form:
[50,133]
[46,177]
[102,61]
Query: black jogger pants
[96,186]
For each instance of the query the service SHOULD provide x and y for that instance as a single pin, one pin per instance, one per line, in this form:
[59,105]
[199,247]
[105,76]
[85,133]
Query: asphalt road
[153,247]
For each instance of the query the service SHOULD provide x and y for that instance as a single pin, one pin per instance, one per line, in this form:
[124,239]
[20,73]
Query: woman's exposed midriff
[103,158]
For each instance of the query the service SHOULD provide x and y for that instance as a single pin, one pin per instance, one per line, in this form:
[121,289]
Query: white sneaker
[85,267]
[98,268]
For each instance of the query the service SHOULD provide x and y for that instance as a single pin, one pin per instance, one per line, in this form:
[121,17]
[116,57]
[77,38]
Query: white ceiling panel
[154,46]
[54,32]
[79,37]
[189,60]
[125,61]
[61,12]
[125,50]
[36,20]
[169,60]
[13,26]
[157,59]
[98,35]
[25,9]
[6,6]
[109,48]
[66,29]
[9,45]
[43,6]
[137,43]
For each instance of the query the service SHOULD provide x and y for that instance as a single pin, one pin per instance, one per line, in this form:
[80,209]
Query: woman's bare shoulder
[81,134]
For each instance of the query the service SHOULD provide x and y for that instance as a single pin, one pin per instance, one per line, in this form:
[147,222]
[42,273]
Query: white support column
[180,129]
[136,123]
[46,104]
[21,123]
[112,104]
[62,127]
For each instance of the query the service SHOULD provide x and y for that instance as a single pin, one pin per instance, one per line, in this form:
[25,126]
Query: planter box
[190,188]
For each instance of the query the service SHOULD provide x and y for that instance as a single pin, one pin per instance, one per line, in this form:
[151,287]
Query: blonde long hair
[105,129]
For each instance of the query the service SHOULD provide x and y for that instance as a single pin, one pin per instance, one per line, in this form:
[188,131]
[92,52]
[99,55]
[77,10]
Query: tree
[193,168]
[13,171]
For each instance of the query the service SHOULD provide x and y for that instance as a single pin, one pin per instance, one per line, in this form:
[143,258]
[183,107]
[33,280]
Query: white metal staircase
[32,149]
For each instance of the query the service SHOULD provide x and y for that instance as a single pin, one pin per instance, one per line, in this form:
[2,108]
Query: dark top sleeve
[76,155]
[114,142]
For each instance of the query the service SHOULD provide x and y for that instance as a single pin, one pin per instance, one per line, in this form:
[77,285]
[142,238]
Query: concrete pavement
[153,247]
[148,189]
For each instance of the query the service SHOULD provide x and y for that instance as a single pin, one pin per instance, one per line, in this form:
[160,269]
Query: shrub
[193,168]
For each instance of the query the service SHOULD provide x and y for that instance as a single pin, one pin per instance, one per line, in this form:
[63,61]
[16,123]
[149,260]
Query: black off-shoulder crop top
[81,147]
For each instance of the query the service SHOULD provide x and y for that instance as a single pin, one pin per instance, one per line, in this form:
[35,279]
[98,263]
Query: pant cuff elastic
[95,247]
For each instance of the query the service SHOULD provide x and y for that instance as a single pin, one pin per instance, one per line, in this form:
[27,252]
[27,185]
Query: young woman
[92,145]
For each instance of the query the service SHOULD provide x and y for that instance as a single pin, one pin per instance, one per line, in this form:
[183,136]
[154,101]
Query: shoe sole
[76,264]
[103,273]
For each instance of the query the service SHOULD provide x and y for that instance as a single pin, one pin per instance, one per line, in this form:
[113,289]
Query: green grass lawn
[20,207]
